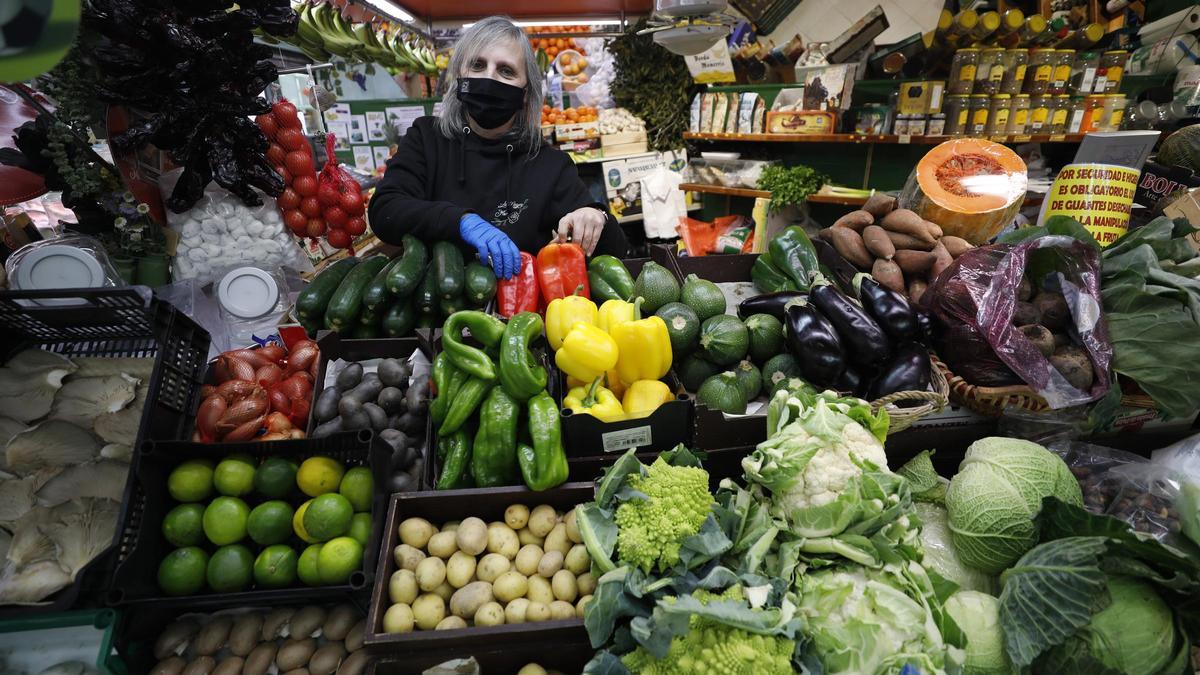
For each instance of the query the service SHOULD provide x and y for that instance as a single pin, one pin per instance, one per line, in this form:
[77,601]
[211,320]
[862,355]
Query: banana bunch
[323,33]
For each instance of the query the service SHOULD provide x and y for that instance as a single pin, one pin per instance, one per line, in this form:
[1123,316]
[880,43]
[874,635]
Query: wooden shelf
[874,139]
[722,190]
[836,199]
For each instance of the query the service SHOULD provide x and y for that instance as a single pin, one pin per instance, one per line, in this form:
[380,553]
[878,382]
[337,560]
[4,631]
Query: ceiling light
[389,7]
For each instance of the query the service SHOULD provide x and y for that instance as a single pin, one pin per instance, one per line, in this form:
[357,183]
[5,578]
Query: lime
[191,481]
[318,475]
[275,478]
[234,476]
[230,568]
[360,528]
[270,523]
[328,516]
[275,567]
[184,525]
[306,567]
[337,560]
[359,487]
[225,520]
[182,571]
[298,523]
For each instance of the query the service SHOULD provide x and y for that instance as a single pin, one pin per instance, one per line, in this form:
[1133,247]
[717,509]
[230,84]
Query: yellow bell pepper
[613,313]
[587,352]
[563,313]
[644,396]
[595,401]
[644,346]
[611,381]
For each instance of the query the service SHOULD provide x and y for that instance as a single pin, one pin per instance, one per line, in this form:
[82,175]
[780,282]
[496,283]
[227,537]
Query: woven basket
[932,401]
[989,401]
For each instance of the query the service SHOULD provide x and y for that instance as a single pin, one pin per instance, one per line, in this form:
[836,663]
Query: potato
[528,558]
[416,532]
[578,560]
[491,614]
[1025,314]
[431,572]
[445,591]
[916,288]
[1055,313]
[564,586]
[503,540]
[525,537]
[468,599]
[449,526]
[855,220]
[581,606]
[908,243]
[562,610]
[542,520]
[572,527]
[428,611]
[539,590]
[550,563]
[443,544]
[514,611]
[398,619]
[402,587]
[451,623]
[537,611]
[510,586]
[531,669]
[935,230]
[491,566]
[1075,366]
[586,583]
[472,536]
[460,570]
[1024,289]
[407,557]
[516,516]
[557,540]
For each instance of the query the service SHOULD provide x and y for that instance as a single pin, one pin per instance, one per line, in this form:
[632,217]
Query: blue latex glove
[489,241]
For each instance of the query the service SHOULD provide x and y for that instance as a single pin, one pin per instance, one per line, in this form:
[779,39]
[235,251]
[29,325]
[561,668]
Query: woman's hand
[584,225]
[495,248]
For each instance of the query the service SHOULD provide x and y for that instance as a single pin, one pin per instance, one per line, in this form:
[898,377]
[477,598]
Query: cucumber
[480,283]
[456,304]
[368,316]
[404,278]
[312,301]
[346,302]
[400,319]
[376,296]
[428,321]
[448,270]
[424,298]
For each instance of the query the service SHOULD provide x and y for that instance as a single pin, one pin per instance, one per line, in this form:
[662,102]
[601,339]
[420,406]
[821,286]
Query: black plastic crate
[333,346]
[112,323]
[565,657]
[143,546]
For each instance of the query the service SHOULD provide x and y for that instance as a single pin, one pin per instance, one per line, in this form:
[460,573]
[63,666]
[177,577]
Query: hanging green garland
[653,84]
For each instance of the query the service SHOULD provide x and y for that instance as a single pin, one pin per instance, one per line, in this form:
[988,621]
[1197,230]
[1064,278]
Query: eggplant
[867,345]
[907,371]
[889,308]
[849,382]
[924,325]
[834,265]
[814,342]
[767,303]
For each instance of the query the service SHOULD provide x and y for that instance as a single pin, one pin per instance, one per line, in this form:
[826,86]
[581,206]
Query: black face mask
[490,103]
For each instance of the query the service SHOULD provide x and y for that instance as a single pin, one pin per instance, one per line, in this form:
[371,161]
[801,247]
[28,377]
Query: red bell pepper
[562,269]
[520,293]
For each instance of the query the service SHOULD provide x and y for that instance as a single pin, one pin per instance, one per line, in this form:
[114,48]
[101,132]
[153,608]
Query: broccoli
[651,530]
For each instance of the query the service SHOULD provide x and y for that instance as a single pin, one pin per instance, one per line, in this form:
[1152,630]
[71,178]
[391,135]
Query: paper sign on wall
[1099,196]
[712,65]
[402,117]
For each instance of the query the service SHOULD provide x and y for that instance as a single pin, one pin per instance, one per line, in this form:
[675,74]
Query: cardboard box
[588,148]
[827,87]
[921,98]
[577,131]
[803,122]
[858,36]
[622,179]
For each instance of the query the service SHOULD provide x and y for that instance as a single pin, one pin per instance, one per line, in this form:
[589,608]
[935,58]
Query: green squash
[722,392]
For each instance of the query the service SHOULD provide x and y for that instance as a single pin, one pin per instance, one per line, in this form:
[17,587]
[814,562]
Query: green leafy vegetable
[653,84]
[940,554]
[978,615]
[789,185]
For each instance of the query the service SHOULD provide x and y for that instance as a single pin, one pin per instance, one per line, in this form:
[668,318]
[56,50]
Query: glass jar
[1058,114]
[1141,116]
[1018,120]
[1015,63]
[1114,112]
[1108,75]
[1039,114]
[1083,73]
[937,125]
[1040,71]
[978,119]
[1064,59]
[962,70]
[990,71]
[999,110]
[987,24]
[957,109]
[1075,114]
[1093,113]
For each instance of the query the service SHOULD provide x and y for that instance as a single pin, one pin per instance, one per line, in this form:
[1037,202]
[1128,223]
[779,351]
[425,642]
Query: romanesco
[651,531]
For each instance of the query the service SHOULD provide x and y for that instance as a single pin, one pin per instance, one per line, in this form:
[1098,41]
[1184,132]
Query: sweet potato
[915,262]
[1056,315]
[888,273]
[824,233]
[879,204]
[905,242]
[907,222]
[935,230]
[943,261]
[1075,366]
[876,240]
[1041,337]
[850,245]
[956,245]
[916,288]
[855,220]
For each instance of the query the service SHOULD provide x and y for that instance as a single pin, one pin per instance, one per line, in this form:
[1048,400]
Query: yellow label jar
[980,107]
[1039,114]
[1040,72]
[1018,120]
[962,70]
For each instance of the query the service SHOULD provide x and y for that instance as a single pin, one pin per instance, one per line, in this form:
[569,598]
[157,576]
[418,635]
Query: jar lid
[994,49]
[968,49]
[1022,95]
[248,292]
[1062,96]
[1115,51]
[983,96]
[1022,50]
[1001,96]
[58,266]
[1066,51]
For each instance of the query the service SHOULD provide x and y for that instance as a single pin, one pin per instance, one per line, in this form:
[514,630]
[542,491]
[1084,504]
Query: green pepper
[544,465]
[446,380]
[768,278]
[485,328]
[494,457]
[520,374]
[793,254]
[458,457]
[609,279]
[466,401]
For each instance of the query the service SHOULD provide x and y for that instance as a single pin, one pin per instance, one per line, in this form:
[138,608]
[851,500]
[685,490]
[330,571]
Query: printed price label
[617,441]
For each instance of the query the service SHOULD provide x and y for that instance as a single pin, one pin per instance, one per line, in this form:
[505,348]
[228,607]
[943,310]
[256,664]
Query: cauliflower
[651,530]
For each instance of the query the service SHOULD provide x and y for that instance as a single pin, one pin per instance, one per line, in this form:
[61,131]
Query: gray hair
[528,125]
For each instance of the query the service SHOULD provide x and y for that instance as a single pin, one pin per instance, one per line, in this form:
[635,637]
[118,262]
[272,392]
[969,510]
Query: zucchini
[346,302]
[368,316]
[404,278]
[400,319]
[376,296]
[424,298]
[448,271]
[428,321]
[364,332]
[312,301]
[456,304]
[480,283]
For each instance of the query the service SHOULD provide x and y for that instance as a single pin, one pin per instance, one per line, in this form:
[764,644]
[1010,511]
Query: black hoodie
[433,181]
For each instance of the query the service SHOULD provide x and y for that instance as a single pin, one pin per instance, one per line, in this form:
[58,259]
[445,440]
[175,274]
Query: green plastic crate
[29,645]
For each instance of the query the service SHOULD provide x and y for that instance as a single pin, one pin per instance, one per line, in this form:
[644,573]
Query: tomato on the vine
[305,186]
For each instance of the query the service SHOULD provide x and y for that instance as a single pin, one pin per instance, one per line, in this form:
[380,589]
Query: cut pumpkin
[970,187]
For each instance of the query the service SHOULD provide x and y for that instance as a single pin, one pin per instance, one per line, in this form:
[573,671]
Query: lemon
[234,477]
[191,481]
[182,571]
[306,567]
[337,560]
[358,486]
[327,516]
[298,523]
[275,567]
[319,475]
[225,520]
[360,528]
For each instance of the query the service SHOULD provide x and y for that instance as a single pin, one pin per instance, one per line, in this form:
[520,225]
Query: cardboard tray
[437,507]
[569,657]
[668,426]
